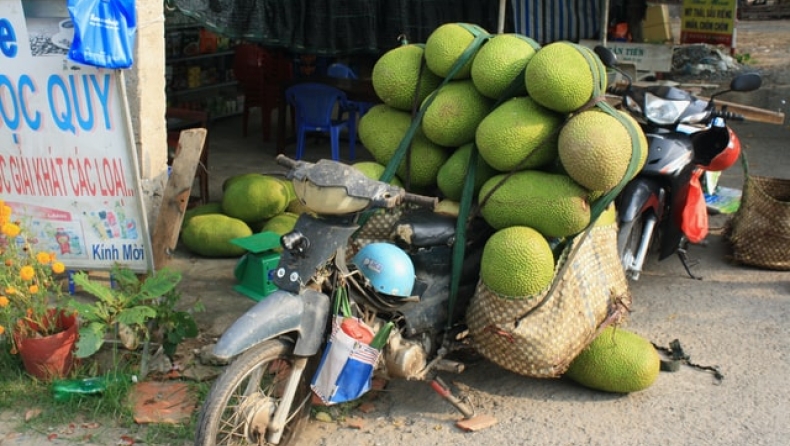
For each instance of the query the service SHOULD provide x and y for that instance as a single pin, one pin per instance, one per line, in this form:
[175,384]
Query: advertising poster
[68,164]
[708,21]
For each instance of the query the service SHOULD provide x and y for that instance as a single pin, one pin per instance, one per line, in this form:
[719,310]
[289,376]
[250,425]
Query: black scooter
[686,135]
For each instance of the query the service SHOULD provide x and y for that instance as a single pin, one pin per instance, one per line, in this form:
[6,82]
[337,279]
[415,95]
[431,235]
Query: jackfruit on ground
[517,261]
[281,223]
[595,149]
[616,361]
[560,78]
[452,175]
[552,204]
[451,118]
[396,78]
[519,134]
[232,179]
[500,62]
[255,198]
[445,45]
[209,235]
[382,129]
[214,207]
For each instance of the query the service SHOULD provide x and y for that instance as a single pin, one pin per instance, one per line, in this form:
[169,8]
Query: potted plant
[34,322]
[134,304]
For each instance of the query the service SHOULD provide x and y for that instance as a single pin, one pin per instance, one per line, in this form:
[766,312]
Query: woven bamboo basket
[538,336]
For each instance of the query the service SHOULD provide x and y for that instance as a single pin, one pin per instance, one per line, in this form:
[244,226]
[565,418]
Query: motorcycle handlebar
[421,200]
[727,115]
[285,161]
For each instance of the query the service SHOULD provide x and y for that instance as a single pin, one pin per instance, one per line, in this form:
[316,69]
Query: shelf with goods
[199,69]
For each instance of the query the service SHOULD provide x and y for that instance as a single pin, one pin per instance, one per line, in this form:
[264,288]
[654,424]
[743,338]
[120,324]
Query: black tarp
[335,27]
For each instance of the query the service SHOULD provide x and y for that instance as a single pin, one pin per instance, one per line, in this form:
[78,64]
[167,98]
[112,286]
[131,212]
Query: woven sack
[760,230]
[377,228]
[538,336]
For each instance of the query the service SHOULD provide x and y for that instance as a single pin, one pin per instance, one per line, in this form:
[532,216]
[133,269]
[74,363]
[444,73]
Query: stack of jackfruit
[543,151]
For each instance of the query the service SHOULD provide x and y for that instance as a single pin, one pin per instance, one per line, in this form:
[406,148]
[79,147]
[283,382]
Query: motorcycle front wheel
[243,400]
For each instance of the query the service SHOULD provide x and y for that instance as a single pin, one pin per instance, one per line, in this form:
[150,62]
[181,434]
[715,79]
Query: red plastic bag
[695,213]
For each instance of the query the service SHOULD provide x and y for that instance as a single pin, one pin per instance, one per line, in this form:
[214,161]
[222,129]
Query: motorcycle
[274,349]
[686,136]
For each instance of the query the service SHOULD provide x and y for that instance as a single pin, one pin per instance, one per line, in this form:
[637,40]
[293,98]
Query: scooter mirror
[746,82]
[607,57]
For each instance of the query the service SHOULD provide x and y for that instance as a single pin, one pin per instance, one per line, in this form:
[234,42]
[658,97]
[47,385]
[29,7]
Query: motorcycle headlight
[661,111]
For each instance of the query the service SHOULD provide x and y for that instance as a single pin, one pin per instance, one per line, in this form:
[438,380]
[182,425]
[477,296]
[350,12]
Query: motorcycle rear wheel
[243,400]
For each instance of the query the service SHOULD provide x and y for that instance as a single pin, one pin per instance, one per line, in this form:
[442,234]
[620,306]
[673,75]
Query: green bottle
[64,390]
[381,337]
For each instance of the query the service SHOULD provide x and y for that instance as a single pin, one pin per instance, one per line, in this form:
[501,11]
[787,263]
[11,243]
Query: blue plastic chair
[343,71]
[313,104]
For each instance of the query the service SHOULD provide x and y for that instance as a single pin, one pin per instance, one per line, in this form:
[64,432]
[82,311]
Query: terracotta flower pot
[52,356]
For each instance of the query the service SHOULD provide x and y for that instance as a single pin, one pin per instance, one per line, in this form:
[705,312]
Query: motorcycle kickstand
[687,263]
[438,385]
[471,422]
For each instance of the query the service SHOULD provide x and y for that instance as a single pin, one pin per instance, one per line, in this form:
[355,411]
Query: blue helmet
[387,268]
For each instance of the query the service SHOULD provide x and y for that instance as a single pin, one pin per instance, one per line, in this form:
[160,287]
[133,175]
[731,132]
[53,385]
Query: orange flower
[11,229]
[27,273]
[33,289]
[3,301]
[10,290]
[58,268]
[2,329]
[43,258]
[9,262]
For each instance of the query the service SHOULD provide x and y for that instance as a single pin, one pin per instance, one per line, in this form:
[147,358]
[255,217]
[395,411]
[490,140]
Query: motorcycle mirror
[746,82]
[607,56]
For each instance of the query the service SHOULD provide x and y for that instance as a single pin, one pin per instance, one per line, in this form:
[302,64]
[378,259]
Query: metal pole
[604,20]
[501,24]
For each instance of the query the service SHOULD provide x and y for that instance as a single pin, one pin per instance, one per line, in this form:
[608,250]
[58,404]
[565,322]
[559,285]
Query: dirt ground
[736,318]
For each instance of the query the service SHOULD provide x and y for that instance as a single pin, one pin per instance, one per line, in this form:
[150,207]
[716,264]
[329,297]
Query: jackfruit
[519,134]
[255,198]
[451,118]
[209,235]
[396,78]
[374,170]
[445,46]
[552,204]
[616,361]
[564,76]
[214,207]
[281,223]
[517,261]
[453,173]
[595,149]
[500,62]
[383,128]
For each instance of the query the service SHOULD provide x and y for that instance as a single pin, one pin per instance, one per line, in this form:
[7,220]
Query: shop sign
[708,21]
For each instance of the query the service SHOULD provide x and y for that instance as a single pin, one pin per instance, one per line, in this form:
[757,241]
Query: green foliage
[138,303]
[744,58]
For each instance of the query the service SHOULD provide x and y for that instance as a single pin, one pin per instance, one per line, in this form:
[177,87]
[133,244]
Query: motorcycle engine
[405,358]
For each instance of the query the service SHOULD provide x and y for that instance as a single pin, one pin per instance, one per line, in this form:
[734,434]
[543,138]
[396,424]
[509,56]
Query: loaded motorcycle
[686,136]
[274,349]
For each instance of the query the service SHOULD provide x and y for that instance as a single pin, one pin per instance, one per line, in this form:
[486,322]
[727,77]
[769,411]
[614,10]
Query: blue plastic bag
[104,32]
[345,372]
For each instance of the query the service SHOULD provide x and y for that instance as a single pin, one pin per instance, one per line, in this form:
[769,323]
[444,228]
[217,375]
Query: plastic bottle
[66,389]
[382,336]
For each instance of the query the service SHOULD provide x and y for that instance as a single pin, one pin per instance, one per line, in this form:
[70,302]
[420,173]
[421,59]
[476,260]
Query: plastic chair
[314,104]
[260,73]
[343,71]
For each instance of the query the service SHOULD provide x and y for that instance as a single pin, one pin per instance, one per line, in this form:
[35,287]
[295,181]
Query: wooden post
[176,195]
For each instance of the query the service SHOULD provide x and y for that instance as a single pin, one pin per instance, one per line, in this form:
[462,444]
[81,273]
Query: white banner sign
[68,165]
